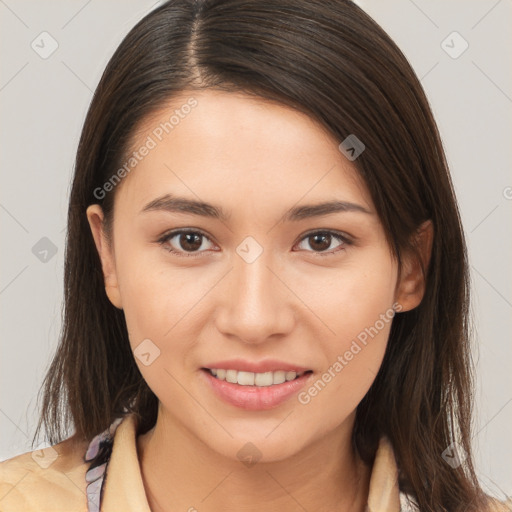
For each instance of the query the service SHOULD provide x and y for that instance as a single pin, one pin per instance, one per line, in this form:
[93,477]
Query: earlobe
[105,251]
[412,283]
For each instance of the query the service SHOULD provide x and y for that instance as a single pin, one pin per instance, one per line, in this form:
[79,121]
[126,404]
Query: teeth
[245,378]
[280,377]
[254,379]
[264,379]
[231,376]
[290,375]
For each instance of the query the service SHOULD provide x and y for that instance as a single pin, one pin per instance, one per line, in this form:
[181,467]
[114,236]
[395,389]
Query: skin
[256,159]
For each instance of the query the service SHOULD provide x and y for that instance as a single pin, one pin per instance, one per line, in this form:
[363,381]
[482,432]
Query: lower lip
[255,398]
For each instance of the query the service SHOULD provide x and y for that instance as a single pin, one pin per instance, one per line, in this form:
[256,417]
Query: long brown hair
[330,60]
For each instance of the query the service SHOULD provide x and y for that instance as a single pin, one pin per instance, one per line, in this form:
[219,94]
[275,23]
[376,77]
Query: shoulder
[408,504]
[499,506]
[51,479]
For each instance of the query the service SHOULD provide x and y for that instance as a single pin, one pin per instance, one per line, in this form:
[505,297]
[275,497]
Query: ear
[411,285]
[106,253]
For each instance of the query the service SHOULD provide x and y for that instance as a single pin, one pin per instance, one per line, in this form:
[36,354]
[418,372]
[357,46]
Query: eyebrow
[170,203]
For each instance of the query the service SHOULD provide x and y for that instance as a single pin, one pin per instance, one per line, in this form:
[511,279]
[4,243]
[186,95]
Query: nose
[255,302]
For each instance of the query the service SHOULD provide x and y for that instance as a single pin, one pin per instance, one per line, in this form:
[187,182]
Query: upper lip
[268,365]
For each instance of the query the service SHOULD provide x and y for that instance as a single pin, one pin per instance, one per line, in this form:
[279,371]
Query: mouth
[255,391]
[264,379]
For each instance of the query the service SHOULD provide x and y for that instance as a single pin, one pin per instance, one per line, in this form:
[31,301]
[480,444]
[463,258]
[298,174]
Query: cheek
[151,300]
[158,308]
[350,298]
[147,288]
[162,303]
[352,361]
[338,389]
[356,305]
[365,306]
[364,321]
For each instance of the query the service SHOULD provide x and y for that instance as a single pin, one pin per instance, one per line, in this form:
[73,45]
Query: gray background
[43,104]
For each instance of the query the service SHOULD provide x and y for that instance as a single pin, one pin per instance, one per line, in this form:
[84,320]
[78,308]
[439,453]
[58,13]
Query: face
[257,281]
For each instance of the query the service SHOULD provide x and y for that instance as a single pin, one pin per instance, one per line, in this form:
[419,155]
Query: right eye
[191,241]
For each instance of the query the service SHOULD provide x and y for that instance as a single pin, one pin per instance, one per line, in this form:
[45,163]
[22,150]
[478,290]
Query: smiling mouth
[265,379]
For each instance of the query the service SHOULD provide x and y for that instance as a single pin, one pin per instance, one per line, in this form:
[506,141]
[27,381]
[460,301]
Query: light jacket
[26,485]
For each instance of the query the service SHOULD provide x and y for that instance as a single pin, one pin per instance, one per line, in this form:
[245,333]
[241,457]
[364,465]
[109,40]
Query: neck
[181,473]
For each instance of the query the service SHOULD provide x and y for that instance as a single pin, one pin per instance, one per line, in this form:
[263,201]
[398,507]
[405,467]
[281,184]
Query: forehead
[237,150]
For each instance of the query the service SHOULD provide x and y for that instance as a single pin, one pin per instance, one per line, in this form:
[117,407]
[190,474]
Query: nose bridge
[255,302]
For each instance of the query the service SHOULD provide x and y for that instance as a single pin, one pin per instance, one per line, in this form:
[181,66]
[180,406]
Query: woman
[266,285]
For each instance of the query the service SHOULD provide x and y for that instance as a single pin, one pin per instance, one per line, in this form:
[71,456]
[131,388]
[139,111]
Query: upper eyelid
[171,234]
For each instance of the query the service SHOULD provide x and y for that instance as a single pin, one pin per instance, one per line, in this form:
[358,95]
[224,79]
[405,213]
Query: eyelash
[168,236]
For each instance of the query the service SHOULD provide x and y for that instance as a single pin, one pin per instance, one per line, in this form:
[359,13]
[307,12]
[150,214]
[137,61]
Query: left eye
[323,239]
[192,241]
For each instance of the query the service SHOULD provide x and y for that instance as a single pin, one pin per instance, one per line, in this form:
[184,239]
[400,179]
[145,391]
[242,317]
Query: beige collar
[124,489]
